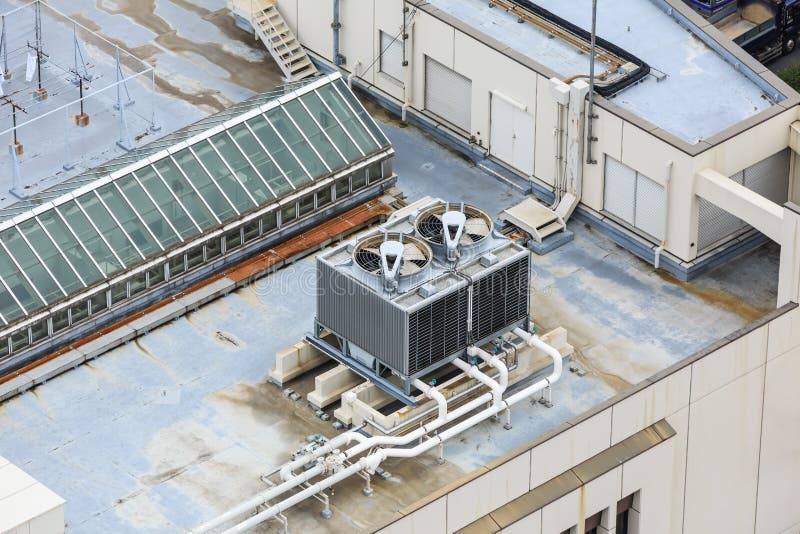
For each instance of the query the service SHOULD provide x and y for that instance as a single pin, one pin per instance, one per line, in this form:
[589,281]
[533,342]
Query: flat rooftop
[204,64]
[177,426]
[686,103]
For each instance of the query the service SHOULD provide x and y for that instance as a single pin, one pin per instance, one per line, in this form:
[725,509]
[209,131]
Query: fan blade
[411,252]
[477,226]
[409,267]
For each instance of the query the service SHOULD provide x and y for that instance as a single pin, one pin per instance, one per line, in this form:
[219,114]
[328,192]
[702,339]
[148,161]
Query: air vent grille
[437,331]
[498,300]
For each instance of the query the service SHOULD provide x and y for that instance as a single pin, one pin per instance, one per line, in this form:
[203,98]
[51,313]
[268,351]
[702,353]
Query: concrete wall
[733,466]
[493,67]
[27,506]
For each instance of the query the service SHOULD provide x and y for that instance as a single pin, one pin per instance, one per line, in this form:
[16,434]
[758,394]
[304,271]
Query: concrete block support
[329,386]
[293,361]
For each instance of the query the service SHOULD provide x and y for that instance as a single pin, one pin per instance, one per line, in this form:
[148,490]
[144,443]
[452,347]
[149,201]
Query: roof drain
[371,462]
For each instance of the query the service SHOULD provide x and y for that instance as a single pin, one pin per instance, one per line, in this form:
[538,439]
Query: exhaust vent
[453,228]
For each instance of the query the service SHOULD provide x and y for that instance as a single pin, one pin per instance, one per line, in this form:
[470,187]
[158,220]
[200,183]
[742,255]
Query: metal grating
[769,178]
[437,331]
[500,299]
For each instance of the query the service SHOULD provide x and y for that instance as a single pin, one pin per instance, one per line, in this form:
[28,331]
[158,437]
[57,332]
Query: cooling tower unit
[412,295]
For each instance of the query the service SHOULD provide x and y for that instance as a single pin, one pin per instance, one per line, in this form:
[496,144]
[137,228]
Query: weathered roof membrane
[683,99]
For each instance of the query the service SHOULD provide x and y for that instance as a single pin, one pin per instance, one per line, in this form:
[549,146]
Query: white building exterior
[26,505]
[466,84]
[709,445]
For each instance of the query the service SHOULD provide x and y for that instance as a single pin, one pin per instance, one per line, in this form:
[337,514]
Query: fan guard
[416,254]
[429,224]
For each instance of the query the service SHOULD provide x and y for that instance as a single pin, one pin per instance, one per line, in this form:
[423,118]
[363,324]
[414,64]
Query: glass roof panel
[172,210]
[350,121]
[209,190]
[129,220]
[8,306]
[70,246]
[232,188]
[297,144]
[245,172]
[147,210]
[330,125]
[20,287]
[109,228]
[89,237]
[351,99]
[185,193]
[279,151]
[312,131]
[50,255]
[262,160]
[30,265]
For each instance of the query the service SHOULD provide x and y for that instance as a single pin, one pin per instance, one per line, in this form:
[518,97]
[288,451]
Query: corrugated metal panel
[437,331]
[620,186]
[343,304]
[649,206]
[500,298]
[392,56]
[769,178]
[448,94]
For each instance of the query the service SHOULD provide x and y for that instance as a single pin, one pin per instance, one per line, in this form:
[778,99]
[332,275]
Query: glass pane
[166,201]
[269,222]
[71,248]
[148,211]
[8,307]
[314,134]
[99,302]
[306,205]
[181,188]
[50,255]
[129,220]
[194,257]
[176,266]
[205,185]
[288,213]
[222,175]
[119,293]
[244,171]
[80,311]
[30,265]
[60,320]
[331,126]
[342,187]
[361,112]
[89,237]
[109,228]
[137,284]
[277,149]
[19,340]
[3,347]
[155,276]
[348,119]
[323,197]
[39,331]
[18,285]
[250,231]
[261,159]
[294,139]
[213,249]
[233,239]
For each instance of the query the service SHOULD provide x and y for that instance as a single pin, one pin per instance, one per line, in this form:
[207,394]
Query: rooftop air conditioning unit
[413,294]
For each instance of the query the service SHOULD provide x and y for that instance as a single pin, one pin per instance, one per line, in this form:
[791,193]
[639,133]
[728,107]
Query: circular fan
[429,223]
[416,254]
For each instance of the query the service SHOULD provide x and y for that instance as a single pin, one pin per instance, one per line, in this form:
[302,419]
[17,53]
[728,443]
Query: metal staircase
[269,26]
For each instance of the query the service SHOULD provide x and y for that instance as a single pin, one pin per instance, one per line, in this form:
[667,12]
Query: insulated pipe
[667,186]
[472,371]
[494,361]
[433,394]
[371,462]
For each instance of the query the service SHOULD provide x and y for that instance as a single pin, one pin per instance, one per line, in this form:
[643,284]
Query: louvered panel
[448,94]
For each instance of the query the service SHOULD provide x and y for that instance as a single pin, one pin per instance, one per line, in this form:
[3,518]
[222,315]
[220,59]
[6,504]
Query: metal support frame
[124,141]
[590,138]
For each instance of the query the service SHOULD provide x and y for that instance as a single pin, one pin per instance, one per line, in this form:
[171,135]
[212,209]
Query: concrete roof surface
[176,427]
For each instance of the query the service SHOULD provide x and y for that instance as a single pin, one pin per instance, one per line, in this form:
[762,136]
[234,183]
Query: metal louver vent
[437,331]
[500,299]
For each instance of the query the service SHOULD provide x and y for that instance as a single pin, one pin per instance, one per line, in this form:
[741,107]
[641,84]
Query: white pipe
[371,462]
[667,187]
[472,371]
[433,394]
[493,360]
